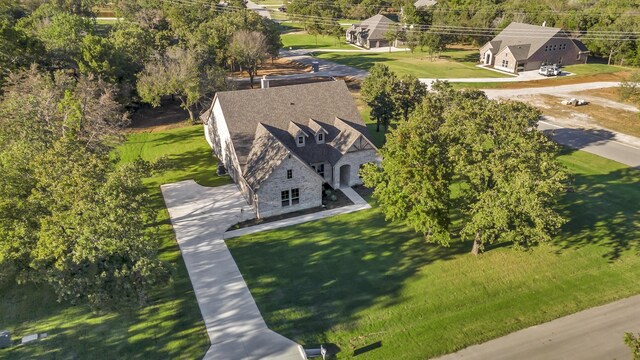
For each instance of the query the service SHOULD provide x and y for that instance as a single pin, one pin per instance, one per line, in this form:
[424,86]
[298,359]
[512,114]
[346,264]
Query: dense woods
[71,216]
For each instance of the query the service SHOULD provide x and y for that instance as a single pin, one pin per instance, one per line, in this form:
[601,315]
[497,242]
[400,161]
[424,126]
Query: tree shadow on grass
[603,209]
[304,288]
[171,327]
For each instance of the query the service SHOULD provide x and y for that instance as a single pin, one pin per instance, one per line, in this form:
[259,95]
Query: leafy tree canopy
[463,156]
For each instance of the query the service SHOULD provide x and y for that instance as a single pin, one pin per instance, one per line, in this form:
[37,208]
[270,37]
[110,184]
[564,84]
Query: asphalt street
[596,333]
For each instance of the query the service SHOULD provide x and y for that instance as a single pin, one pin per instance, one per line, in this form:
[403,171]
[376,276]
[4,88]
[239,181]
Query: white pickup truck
[550,70]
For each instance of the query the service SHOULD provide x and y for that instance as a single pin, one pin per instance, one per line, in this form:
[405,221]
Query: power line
[437,29]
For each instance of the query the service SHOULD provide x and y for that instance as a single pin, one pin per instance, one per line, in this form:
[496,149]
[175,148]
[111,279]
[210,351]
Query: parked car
[550,70]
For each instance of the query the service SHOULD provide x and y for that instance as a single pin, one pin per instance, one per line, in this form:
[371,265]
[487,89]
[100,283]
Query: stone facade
[309,185]
[355,160]
[218,137]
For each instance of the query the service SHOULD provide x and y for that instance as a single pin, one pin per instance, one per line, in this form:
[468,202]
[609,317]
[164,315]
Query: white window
[320,137]
[505,63]
[300,140]
[290,197]
[289,174]
[284,197]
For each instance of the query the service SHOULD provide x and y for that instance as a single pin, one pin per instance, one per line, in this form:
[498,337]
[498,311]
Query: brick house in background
[281,144]
[370,33]
[524,47]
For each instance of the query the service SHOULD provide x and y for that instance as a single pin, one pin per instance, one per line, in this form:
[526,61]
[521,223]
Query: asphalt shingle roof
[260,122]
[375,26]
[521,35]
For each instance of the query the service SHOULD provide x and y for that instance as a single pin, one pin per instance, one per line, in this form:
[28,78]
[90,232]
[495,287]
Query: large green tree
[482,156]
[408,93]
[182,74]
[377,92]
[69,216]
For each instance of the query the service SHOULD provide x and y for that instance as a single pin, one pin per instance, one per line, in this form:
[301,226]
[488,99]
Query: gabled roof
[316,127]
[580,45]
[263,118]
[375,26]
[295,129]
[519,34]
[519,52]
[266,155]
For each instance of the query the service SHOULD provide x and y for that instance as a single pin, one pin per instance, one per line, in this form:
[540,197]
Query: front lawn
[377,289]
[305,41]
[593,69]
[452,64]
[171,327]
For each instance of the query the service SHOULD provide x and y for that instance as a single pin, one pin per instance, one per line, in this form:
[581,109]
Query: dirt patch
[278,67]
[566,80]
[591,115]
[605,93]
[168,115]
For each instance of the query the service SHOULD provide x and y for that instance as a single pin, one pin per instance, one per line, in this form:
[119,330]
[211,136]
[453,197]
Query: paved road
[595,141]
[606,143]
[551,90]
[595,333]
[261,10]
[236,329]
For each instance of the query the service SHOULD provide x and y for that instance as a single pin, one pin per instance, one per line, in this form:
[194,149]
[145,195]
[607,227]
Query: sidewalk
[596,333]
[236,329]
[358,204]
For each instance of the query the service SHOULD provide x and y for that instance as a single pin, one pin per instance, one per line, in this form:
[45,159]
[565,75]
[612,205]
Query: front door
[345,174]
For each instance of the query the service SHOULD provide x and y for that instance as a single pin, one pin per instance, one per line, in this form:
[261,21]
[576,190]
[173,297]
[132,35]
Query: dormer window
[320,138]
[300,141]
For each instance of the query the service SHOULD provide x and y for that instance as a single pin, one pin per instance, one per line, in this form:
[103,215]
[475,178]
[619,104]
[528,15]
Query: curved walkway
[237,331]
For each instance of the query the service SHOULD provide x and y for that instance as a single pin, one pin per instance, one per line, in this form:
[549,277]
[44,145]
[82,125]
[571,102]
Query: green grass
[452,64]
[306,41]
[356,280]
[171,327]
[594,69]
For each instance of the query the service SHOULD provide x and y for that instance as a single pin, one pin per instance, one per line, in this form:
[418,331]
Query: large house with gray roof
[524,47]
[370,33]
[281,145]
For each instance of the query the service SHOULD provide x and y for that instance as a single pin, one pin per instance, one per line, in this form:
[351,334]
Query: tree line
[618,18]
[151,40]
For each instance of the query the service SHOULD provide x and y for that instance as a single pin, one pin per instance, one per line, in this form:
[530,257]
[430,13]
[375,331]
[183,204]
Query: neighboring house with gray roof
[282,144]
[370,33]
[523,47]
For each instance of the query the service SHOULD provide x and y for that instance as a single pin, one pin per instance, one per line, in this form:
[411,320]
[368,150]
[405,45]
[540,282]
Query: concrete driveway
[237,331]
